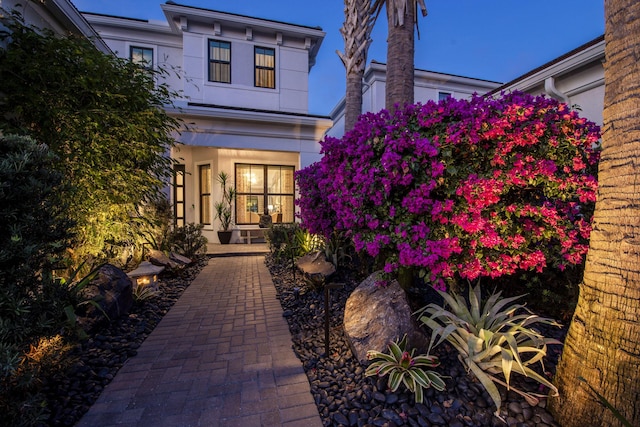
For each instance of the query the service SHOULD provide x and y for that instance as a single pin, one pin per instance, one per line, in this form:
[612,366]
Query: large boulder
[375,315]
[112,292]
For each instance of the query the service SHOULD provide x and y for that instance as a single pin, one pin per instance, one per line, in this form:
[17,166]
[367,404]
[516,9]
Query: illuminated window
[219,61]
[204,173]
[264,189]
[265,67]
[178,195]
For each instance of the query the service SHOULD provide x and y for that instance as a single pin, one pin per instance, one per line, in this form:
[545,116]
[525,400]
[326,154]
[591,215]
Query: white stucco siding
[294,60]
[307,159]
[585,90]
[591,104]
[295,101]
[242,71]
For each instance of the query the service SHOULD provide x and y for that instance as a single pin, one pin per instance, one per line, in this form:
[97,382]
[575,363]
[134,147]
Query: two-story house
[244,102]
[244,97]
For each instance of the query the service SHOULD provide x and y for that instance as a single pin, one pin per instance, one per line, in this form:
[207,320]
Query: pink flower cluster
[460,188]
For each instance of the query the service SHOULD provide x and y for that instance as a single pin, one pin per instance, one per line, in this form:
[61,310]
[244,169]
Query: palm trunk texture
[400,55]
[603,342]
[356,32]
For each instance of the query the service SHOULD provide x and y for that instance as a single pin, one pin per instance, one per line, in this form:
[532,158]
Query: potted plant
[224,208]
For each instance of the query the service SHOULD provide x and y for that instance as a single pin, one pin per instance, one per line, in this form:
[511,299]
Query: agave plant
[405,368]
[491,338]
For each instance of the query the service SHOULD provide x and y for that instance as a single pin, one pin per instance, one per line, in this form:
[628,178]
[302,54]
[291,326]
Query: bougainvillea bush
[460,188]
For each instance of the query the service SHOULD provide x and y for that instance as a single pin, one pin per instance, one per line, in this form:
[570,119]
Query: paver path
[221,356]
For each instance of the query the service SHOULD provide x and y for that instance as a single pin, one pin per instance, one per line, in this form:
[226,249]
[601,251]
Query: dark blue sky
[496,40]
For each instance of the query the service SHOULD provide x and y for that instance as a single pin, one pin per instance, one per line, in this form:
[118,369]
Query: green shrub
[143,292]
[491,337]
[21,401]
[187,240]
[290,241]
[33,237]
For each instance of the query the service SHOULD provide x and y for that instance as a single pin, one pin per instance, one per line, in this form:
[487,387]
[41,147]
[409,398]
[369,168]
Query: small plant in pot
[224,208]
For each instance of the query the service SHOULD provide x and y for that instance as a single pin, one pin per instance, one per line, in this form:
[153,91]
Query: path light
[145,275]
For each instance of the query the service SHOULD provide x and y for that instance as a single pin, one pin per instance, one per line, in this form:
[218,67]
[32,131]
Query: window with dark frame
[142,56]
[219,61]
[178,195]
[443,95]
[264,189]
[204,174]
[265,67]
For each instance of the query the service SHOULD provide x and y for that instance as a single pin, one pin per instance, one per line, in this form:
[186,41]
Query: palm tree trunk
[603,342]
[356,32]
[400,53]
[353,100]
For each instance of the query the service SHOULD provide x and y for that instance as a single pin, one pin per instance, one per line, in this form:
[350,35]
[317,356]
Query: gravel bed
[96,360]
[345,397]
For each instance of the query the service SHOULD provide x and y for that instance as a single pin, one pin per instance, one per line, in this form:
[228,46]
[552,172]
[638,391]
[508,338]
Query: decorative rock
[180,259]
[160,258]
[392,415]
[112,291]
[376,315]
[515,407]
[436,419]
[340,419]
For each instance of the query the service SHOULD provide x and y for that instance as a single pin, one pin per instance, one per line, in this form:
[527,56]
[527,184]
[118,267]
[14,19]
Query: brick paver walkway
[221,356]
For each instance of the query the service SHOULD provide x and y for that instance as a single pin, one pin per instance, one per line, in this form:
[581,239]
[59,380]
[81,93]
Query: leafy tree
[101,115]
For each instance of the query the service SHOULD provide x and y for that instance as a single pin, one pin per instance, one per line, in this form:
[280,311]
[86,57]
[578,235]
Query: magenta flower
[460,188]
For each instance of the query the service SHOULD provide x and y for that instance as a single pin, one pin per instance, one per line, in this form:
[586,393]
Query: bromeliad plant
[492,337]
[405,368]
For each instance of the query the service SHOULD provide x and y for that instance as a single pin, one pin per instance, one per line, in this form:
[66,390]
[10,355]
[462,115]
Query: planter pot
[225,236]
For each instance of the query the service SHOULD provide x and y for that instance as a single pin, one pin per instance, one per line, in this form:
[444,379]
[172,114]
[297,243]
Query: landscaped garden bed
[346,397]
[96,360]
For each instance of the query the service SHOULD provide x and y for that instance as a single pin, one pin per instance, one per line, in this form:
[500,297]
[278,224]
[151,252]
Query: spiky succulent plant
[491,337]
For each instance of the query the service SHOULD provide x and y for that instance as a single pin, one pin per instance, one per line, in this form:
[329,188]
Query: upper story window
[142,56]
[265,67]
[219,61]
[443,95]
